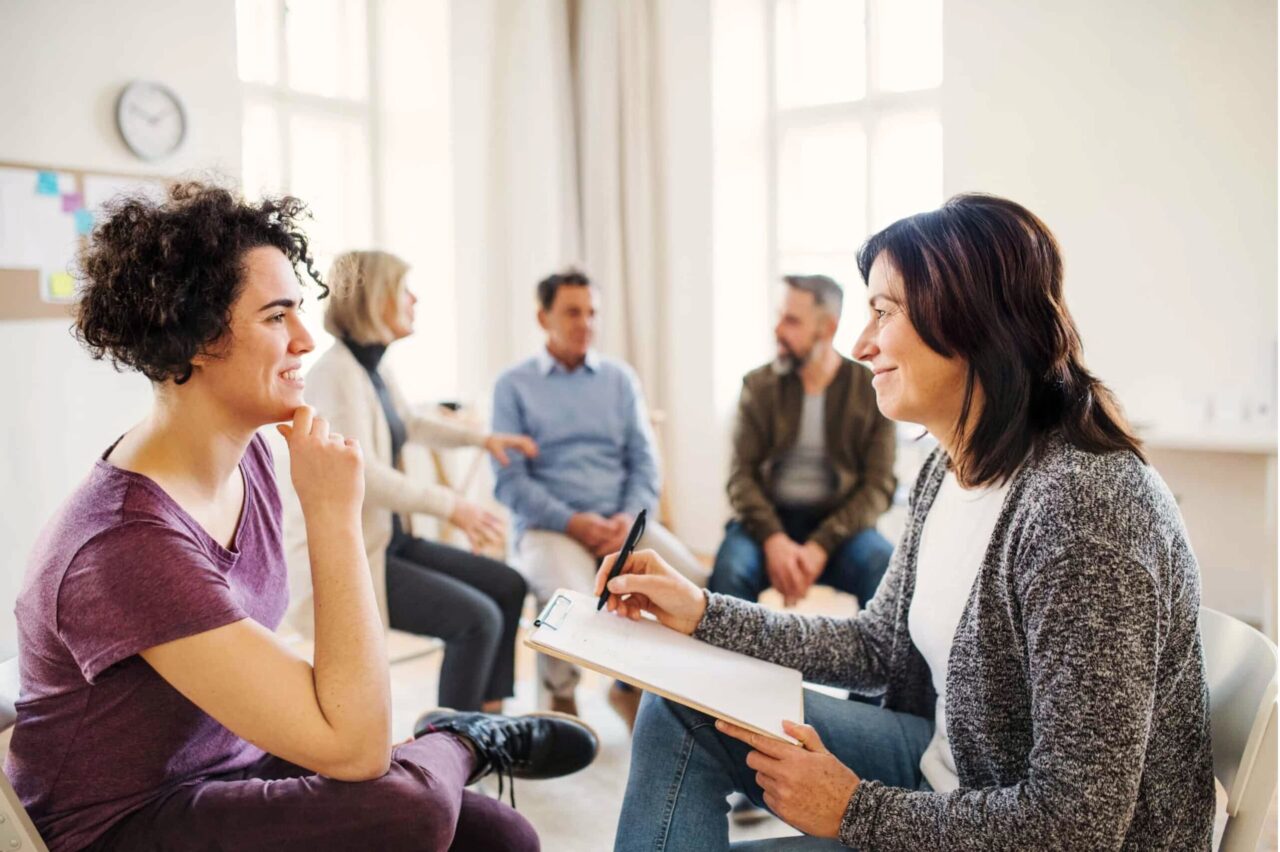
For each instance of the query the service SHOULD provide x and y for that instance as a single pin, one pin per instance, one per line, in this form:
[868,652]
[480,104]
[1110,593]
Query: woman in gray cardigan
[1036,635]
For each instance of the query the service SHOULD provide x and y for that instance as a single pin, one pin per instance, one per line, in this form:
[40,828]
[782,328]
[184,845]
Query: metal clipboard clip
[554,613]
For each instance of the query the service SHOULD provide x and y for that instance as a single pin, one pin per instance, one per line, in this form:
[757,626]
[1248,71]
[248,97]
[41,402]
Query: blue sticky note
[84,222]
[47,183]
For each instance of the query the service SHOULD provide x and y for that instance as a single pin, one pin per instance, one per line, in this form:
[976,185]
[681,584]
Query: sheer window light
[819,51]
[857,133]
[308,120]
[907,173]
[908,37]
[327,43]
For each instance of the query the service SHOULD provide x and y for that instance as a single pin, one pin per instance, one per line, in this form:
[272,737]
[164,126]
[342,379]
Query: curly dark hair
[159,278]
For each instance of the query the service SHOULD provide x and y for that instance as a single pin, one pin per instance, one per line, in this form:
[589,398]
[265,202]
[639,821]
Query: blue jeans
[682,770]
[855,567]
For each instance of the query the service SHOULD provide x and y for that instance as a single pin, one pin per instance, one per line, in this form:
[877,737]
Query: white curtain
[615,83]
[556,163]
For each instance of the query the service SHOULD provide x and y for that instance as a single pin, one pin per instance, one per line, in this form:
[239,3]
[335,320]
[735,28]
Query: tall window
[857,131]
[309,117]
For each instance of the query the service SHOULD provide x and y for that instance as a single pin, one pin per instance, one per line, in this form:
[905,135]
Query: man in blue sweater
[596,466]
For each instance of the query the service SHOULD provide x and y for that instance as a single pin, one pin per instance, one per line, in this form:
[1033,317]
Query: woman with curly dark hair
[158,708]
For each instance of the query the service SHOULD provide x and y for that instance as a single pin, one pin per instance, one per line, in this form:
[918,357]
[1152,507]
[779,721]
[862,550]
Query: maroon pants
[275,806]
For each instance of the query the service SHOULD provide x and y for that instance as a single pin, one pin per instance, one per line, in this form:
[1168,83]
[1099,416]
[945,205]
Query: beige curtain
[615,83]
[560,95]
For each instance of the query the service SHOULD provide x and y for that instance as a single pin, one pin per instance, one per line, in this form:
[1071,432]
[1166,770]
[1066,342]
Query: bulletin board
[45,214]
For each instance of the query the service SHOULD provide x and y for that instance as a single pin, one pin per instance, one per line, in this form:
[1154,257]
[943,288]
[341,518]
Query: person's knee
[420,807]
[880,547]
[866,551]
[738,566]
[487,622]
[515,834]
[512,592]
[859,564]
[659,714]
[551,560]
[652,713]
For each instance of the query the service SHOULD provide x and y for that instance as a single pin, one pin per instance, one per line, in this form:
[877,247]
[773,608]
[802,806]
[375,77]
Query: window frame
[868,112]
[287,102]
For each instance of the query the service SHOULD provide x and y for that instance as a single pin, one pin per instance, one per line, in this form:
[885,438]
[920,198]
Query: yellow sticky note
[62,287]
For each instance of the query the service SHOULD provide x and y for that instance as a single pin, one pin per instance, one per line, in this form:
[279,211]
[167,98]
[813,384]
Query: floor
[594,796]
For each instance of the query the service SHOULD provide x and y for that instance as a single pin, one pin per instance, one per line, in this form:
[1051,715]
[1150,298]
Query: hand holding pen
[648,584]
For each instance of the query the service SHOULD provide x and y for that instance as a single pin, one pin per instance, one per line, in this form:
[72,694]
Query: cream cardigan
[340,391]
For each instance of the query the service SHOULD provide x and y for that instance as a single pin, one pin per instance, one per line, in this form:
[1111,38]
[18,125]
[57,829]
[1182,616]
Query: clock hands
[150,117]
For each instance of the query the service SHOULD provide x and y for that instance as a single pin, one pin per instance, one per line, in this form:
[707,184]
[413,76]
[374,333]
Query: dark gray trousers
[471,602]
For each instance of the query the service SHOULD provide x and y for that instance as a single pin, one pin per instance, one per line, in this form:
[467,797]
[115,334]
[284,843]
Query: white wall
[63,63]
[1144,134]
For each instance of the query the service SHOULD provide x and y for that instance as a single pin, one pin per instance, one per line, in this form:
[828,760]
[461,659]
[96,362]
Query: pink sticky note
[71,202]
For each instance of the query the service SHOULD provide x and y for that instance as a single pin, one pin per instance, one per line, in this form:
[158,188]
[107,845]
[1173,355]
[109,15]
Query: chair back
[10,687]
[1240,665]
[17,831]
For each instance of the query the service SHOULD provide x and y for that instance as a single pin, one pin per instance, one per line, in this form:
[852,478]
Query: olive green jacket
[859,446]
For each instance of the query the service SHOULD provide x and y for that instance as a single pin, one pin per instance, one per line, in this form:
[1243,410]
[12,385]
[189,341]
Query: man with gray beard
[812,464]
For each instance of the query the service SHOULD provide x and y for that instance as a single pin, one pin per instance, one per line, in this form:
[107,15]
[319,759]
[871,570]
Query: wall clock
[151,119]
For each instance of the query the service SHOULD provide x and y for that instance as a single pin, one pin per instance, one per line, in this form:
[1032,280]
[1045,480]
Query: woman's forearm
[389,488]
[826,650]
[351,674]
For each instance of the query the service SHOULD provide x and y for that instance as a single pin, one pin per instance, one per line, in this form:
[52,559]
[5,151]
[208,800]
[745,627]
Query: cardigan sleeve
[342,393]
[850,653]
[391,489]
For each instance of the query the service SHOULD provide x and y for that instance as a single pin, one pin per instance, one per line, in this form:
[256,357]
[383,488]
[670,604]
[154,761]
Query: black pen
[633,538]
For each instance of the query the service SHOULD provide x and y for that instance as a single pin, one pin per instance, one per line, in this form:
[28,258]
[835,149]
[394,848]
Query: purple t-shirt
[122,568]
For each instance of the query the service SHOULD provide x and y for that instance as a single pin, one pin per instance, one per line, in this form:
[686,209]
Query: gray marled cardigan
[1076,699]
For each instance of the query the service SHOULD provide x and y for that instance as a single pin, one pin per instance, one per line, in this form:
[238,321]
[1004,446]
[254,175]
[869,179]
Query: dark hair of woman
[982,280]
[159,278]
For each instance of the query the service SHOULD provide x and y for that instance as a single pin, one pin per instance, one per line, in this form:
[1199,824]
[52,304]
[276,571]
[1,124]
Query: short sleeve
[135,586]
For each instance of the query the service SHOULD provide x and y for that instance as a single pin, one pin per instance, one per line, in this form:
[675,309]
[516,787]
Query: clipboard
[750,693]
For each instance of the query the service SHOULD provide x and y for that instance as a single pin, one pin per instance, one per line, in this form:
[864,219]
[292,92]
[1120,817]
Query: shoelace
[500,760]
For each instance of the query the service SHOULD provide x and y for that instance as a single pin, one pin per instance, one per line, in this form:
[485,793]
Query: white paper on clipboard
[750,693]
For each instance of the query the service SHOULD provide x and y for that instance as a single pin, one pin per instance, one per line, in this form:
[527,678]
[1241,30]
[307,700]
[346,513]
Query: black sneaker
[535,746]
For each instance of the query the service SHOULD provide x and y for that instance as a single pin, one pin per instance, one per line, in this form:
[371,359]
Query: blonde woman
[422,587]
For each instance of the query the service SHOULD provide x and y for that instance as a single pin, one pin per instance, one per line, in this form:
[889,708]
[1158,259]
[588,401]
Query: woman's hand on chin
[327,468]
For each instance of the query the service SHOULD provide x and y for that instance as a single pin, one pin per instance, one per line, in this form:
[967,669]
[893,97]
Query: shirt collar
[547,364]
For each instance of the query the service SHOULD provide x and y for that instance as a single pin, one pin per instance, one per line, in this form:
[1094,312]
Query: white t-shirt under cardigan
[1076,684]
[953,544]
